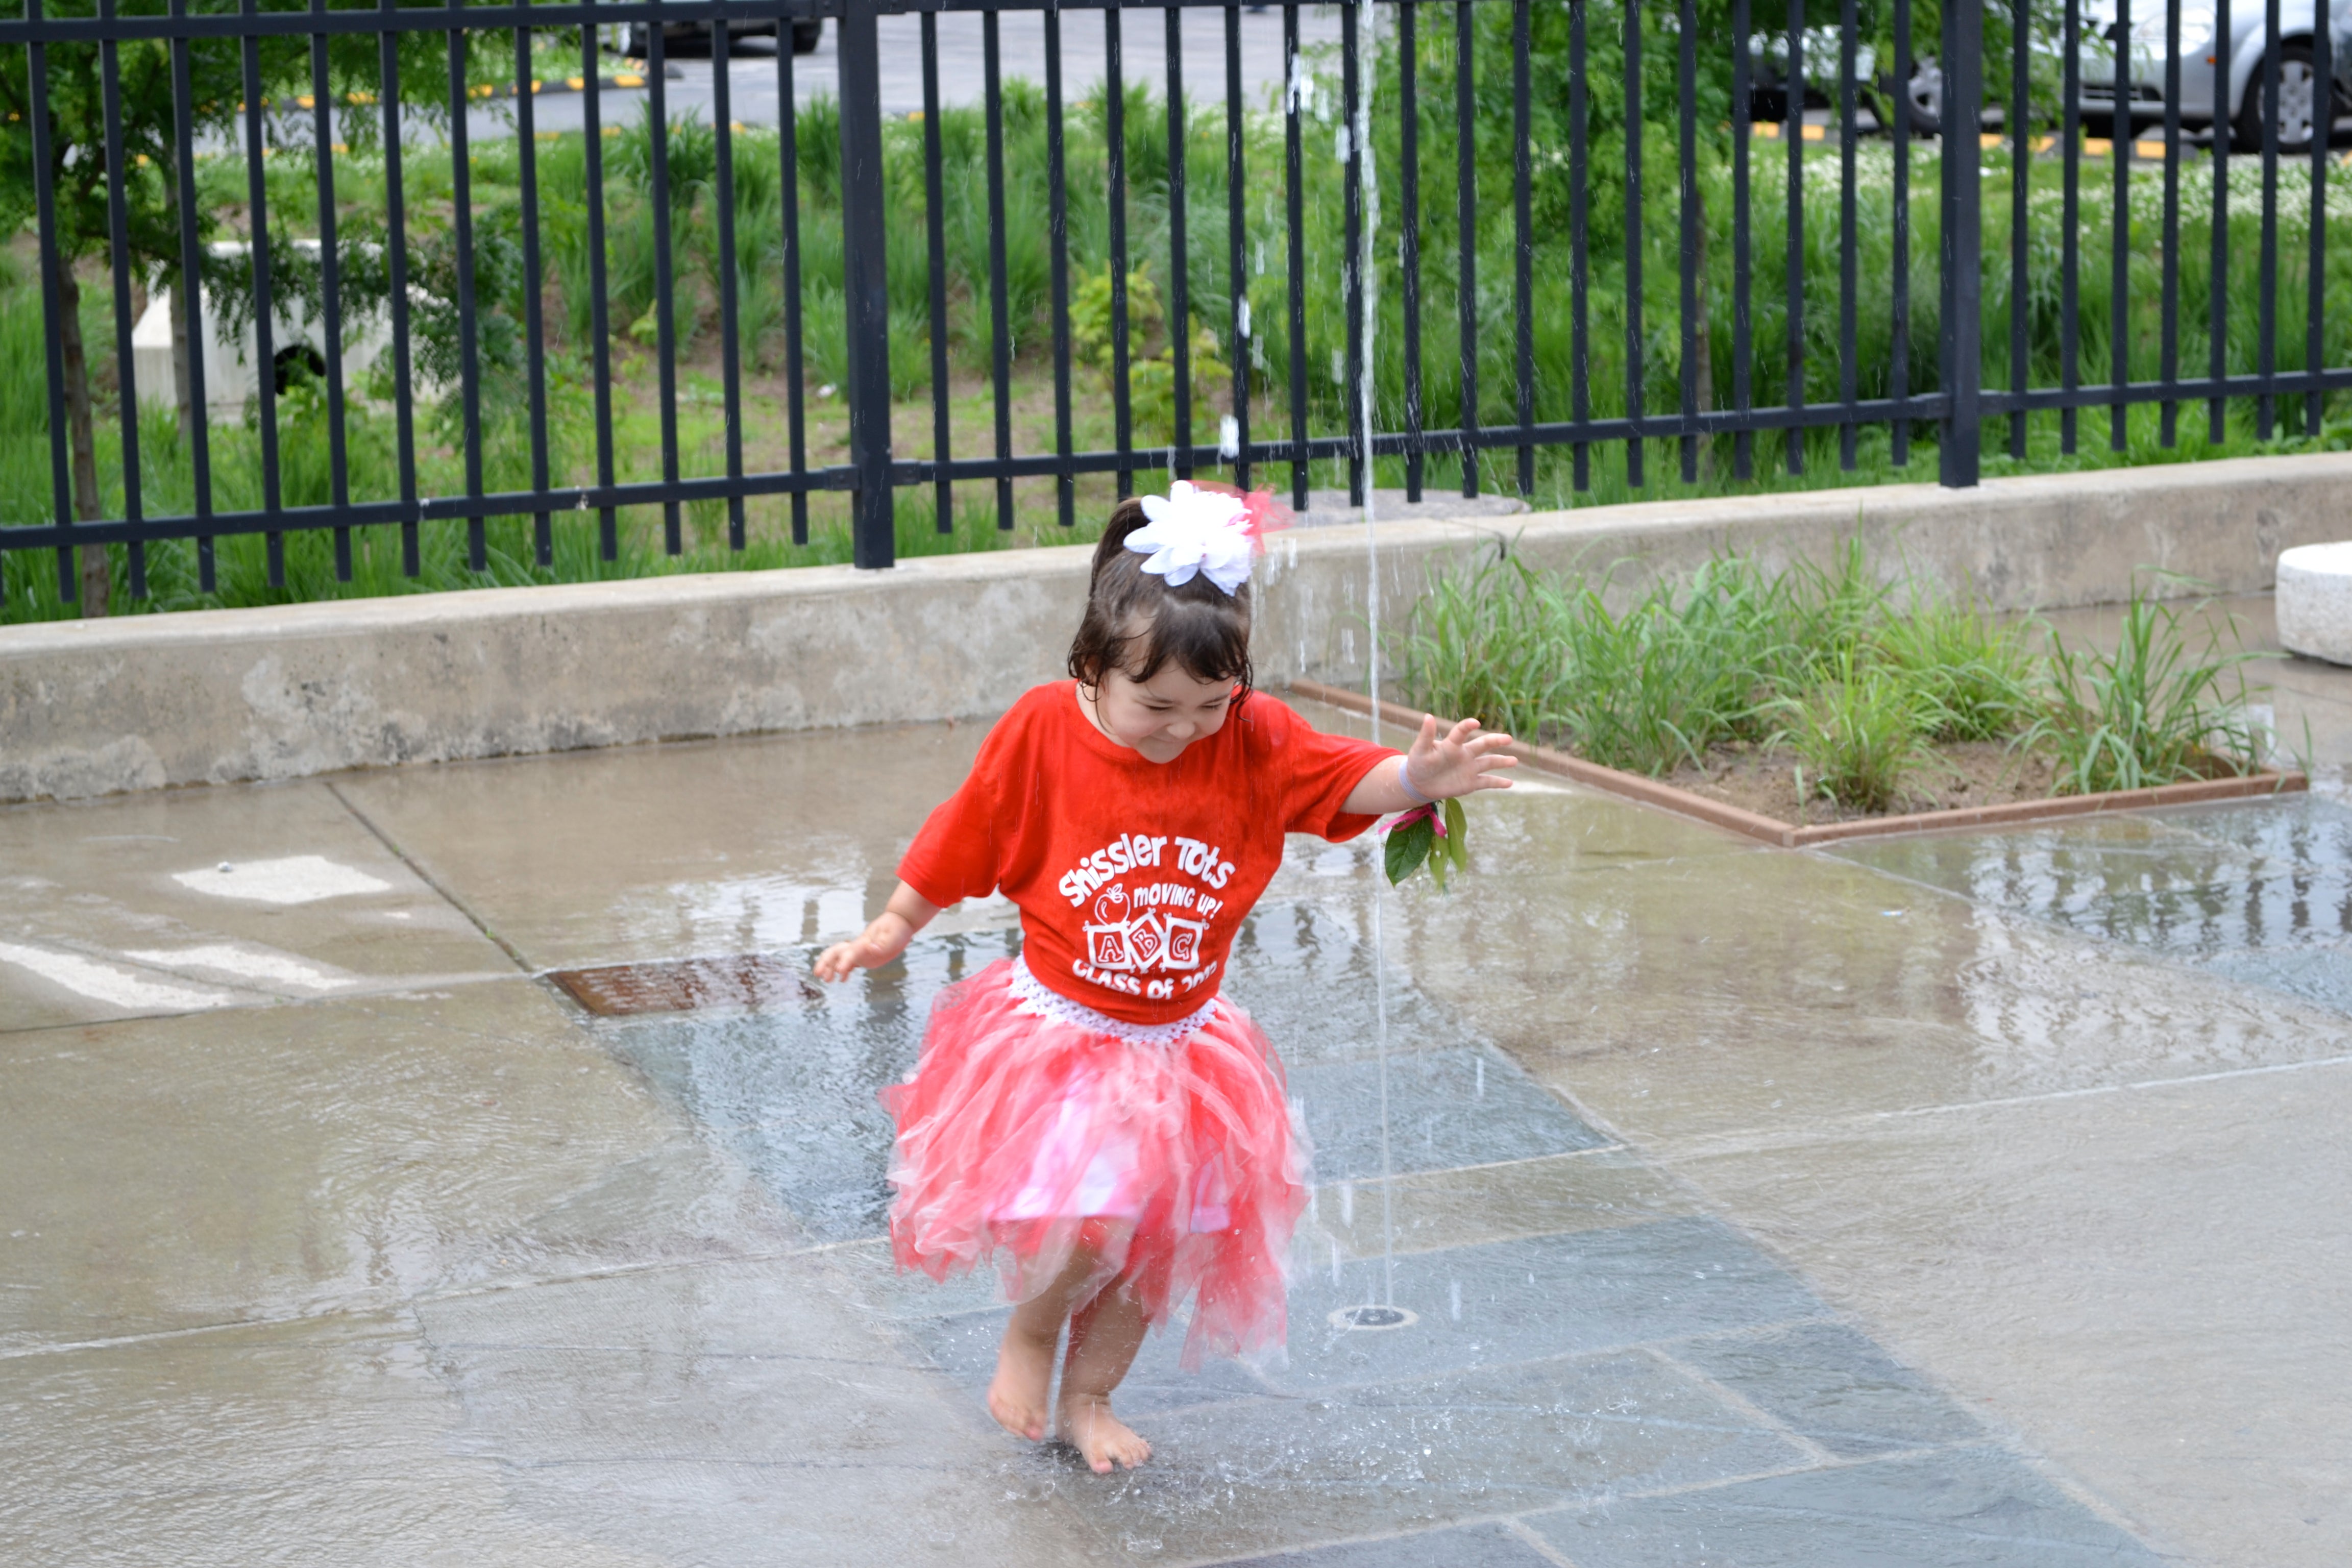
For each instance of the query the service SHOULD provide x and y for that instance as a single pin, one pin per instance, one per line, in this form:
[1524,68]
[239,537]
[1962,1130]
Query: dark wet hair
[1198,626]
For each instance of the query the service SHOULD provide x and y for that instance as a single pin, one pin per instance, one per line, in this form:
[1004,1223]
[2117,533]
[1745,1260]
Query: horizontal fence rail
[1823,227]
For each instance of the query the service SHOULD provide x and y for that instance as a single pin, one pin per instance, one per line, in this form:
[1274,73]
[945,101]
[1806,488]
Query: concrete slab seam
[1724,1394]
[418,870]
[1718,1145]
[1534,1542]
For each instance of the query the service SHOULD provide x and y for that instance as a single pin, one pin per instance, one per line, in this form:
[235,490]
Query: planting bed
[1755,793]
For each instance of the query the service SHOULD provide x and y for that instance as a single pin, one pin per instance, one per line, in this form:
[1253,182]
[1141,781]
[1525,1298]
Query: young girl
[1093,1111]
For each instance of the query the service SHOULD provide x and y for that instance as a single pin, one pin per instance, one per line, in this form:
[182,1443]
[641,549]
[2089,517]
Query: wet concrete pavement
[1971,1199]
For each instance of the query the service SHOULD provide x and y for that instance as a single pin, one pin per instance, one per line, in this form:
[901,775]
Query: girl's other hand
[877,945]
[907,912]
[1462,760]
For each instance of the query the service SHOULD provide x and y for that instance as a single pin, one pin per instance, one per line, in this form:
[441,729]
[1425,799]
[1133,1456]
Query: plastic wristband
[1404,779]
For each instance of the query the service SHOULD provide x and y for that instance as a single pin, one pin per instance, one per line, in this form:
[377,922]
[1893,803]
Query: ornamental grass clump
[1977,676]
[1855,679]
[1673,676]
[1486,642]
[1859,734]
[2149,713]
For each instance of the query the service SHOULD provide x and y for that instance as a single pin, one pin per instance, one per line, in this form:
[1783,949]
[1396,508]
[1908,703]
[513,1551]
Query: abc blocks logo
[1141,944]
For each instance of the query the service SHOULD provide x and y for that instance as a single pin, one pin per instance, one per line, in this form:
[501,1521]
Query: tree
[149,178]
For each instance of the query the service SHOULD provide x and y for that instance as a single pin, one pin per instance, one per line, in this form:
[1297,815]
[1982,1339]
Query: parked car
[1918,95]
[630,39]
[2305,103]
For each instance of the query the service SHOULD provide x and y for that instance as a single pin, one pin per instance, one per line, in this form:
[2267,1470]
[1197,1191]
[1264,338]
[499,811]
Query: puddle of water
[2259,891]
[1627,1346]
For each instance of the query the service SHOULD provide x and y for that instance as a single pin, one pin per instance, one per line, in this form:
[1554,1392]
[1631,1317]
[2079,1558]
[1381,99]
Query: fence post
[864,285]
[1961,345]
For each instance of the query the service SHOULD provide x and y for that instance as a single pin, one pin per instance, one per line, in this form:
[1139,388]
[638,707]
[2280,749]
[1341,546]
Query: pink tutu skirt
[1032,1127]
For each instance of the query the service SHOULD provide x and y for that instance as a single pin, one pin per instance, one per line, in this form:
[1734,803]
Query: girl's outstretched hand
[1462,760]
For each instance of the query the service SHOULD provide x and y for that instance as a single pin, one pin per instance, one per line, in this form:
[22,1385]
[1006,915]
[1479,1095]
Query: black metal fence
[1577,347]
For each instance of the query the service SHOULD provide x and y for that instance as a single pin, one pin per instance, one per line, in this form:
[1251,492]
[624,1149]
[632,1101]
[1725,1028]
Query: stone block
[2315,600]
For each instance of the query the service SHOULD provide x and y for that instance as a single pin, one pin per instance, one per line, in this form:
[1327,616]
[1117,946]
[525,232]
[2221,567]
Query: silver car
[2305,103]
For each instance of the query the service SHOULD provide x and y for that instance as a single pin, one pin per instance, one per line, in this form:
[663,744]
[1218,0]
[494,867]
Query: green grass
[1854,671]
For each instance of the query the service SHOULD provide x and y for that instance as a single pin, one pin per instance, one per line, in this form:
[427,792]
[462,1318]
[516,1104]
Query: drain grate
[1374,1318]
[685,985]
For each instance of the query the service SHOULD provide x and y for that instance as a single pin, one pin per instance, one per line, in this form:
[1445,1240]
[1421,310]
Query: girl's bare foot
[1024,1377]
[1101,1439]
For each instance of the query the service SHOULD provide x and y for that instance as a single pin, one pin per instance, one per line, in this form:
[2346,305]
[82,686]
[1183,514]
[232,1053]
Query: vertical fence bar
[1579,153]
[534,324]
[865,285]
[1743,319]
[1057,197]
[265,322]
[461,220]
[396,235]
[1793,129]
[1352,275]
[730,354]
[1294,196]
[2314,319]
[2266,334]
[2021,185]
[665,274]
[788,157]
[1636,371]
[1898,367]
[2119,147]
[330,290]
[118,230]
[1466,182]
[1686,150]
[1000,322]
[45,208]
[2217,304]
[1522,249]
[1180,282]
[935,239]
[198,434]
[1962,245]
[1122,392]
[1237,240]
[2070,218]
[1849,283]
[1408,191]
[2169,369]
[600,332]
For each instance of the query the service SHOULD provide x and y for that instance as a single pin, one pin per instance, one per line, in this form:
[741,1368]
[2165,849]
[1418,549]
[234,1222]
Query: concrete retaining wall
[140,702]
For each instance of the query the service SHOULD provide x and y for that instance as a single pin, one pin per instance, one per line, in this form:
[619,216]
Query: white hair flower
[1192,530]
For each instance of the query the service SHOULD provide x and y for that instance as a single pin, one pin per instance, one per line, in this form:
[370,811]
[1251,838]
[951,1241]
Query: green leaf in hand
[1408,845]
[1433,835]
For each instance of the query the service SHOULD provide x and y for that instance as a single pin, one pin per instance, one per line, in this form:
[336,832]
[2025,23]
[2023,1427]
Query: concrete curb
[208,697]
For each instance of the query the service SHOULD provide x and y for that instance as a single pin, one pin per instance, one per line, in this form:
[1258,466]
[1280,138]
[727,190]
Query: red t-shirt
[1132,875]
